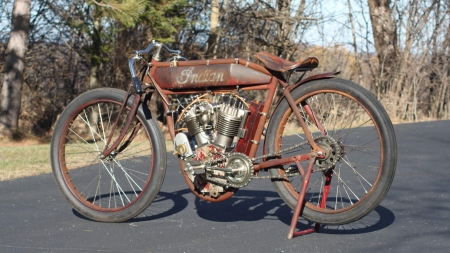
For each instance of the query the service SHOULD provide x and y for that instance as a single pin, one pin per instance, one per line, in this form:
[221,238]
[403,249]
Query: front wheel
[122,185]
[352,126]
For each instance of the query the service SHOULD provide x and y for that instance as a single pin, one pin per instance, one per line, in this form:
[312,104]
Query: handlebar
[159,46]
[156,56]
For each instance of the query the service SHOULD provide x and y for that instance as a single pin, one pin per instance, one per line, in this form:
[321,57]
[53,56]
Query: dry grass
[23,160]
[29,158]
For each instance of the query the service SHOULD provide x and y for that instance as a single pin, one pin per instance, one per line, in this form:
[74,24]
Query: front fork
[140,97]
[114,147]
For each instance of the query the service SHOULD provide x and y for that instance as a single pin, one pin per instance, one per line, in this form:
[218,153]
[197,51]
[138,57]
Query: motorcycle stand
[301,204]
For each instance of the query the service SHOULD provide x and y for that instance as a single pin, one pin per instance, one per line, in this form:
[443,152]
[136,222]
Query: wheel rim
[357,171]
[113,183]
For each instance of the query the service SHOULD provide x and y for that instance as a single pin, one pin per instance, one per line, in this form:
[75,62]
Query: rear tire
[358,129]
[124,184]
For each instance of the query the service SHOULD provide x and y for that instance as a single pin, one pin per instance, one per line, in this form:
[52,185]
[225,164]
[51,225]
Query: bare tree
[213,31]
[15,64]
[385,38]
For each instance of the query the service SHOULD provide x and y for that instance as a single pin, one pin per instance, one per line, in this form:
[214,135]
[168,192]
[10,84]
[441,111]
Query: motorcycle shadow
[251,205]
[164,205]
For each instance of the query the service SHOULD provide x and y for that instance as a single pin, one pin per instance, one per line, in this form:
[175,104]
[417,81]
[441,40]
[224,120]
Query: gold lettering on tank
[207,76]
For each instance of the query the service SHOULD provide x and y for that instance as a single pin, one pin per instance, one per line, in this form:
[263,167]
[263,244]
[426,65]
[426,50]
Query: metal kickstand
[301,203]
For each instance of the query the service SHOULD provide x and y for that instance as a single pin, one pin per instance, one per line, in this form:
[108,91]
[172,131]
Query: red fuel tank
[207,75]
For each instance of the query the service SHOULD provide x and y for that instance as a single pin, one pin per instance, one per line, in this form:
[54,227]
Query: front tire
[122,185]
[361,142]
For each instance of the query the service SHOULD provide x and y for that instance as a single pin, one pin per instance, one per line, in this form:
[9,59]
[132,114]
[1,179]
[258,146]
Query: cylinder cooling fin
[192,125]
[227,125]
[216,119]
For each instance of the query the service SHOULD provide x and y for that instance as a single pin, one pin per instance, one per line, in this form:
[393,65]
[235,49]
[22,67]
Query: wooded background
[52,51]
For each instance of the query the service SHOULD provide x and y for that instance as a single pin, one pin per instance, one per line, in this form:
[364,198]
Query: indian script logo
[207,76]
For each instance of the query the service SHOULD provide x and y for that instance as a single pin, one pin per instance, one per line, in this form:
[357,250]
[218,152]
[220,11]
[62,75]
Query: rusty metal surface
[300,203]
[267,106]
[206,62]
[254,66]
[240,61]
[228,89]
[279,64]
[311,78]
[302,122]
[315,77]
[244,144]
[129,119]
[213,75]
[282,161]
[218,89]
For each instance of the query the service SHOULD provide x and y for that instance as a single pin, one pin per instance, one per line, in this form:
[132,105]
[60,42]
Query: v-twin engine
[205,134]
[215,122]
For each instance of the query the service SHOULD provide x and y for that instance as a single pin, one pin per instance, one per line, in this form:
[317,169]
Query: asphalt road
[414,216]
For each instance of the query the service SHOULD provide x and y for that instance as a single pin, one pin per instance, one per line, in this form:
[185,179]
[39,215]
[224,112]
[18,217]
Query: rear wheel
[361,150]
[117,187]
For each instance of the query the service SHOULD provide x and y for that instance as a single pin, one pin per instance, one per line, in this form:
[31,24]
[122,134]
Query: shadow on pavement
[165,204]
[254,205]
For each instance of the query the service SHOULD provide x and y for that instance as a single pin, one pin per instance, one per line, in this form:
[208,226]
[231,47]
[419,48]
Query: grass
[18,160]
[24,159]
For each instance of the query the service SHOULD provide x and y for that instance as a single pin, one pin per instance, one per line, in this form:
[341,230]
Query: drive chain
[279,176]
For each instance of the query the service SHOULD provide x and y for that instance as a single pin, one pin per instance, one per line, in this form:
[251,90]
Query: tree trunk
[385,38]
[284,28]
[213,31]
[97,54]
[355,45]
[15,64]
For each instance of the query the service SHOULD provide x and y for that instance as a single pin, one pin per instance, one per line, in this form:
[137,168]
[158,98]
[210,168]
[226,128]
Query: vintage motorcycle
[328,144]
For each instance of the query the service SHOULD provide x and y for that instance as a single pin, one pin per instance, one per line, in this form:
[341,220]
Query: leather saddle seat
[276,63]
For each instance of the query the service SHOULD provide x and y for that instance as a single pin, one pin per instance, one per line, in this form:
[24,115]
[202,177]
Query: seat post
[288,76]
[301,77]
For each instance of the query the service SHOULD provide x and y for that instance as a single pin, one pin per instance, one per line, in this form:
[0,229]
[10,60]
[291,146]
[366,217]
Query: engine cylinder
[192,125]
[195,130]
[228,125]
[227,128]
